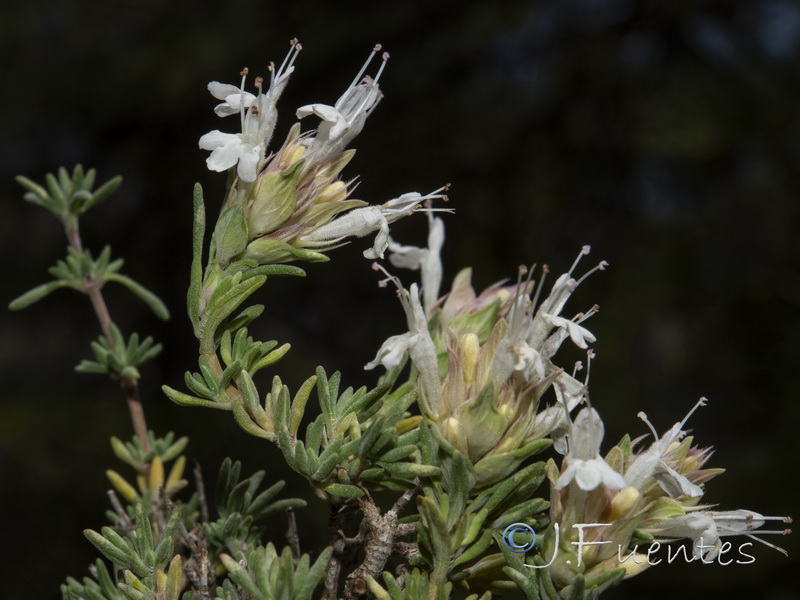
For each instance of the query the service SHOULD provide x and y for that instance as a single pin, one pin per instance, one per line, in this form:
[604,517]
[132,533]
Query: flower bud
[624,502]
[333,192]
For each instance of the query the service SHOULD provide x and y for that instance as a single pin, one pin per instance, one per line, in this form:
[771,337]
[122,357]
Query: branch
[129,386]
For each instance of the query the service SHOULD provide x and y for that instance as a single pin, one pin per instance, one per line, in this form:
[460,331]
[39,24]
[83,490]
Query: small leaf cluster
[415,585]
[119,360]
[68,196]
[537,584]
[150,471]
[151,569]
[242,509]
[456,527]
[166,448]
[241,356]
[79,270]
[103,588]
[265,575]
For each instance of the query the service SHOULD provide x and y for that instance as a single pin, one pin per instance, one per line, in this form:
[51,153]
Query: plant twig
[291,533]
[129,386]
[201,492]
[380,542]
[123,521]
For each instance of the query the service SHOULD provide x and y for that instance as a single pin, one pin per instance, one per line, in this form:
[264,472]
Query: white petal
[224,157]
[381,241]
[578,334]
[587,435]
[392,351]
[568,475]
[215,139]
[323,111]
[406,257]
[676,484]
[588,476]
[248,163]
[611,479]
[221,90]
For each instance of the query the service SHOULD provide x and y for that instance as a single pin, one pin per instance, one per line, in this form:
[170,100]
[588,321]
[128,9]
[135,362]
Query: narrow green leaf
[103,192]
[299,404]
[187,400]
[345,490]
[36,294]
[145,295]
[524,582]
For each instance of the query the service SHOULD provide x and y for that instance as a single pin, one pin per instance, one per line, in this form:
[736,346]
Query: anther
[244,71]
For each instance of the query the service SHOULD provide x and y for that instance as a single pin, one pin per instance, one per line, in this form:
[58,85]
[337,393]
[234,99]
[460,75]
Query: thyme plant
[485,443]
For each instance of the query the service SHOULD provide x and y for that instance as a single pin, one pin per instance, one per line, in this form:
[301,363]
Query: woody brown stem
[379,543]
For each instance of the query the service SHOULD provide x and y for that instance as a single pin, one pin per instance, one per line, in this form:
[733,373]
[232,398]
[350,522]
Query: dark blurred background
[664,133]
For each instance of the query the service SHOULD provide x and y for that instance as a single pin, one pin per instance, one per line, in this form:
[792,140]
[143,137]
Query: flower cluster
[485,362]
[482,364]
[291,204]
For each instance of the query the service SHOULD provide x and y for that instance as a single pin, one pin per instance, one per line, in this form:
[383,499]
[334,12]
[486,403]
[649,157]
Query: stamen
[643,417]
[384,59]
[389,278]
[578,367]
[580,318]
[600,267]
[520,298]
[589,357]
[756,518]
[363,70]
[584,251]
[766,543]
[702,402]
[243,73]
[290,57]
[545,271]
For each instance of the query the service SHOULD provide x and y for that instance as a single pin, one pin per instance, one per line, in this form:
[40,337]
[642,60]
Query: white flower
[650,463]
[554,420]
[234,98]
[258,117]
[584,464]
[344,120]
[427,259]
[418,343]
[366,220]
[228,149]
[705,527]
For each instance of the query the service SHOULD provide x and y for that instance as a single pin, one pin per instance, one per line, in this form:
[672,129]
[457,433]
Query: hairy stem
[129,386]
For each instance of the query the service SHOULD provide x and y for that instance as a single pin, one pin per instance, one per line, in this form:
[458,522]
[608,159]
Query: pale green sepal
[230,234]
[274,200]
[267,251]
